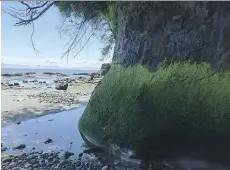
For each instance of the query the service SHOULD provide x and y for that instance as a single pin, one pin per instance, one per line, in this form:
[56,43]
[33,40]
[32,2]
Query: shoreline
[28,101]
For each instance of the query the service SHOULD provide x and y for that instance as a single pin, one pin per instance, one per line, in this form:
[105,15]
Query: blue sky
[17,48]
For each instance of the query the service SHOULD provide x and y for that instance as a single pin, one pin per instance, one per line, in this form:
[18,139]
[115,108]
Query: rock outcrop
[149,32]
[104,68]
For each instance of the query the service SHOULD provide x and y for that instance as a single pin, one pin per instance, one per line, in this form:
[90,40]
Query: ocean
[25,70]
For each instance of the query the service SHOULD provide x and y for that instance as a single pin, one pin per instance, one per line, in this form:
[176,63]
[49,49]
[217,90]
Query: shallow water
[62,128]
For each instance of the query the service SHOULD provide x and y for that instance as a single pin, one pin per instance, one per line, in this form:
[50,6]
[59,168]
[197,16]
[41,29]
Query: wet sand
[23,103]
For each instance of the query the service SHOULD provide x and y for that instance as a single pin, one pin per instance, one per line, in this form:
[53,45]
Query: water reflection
[62,128]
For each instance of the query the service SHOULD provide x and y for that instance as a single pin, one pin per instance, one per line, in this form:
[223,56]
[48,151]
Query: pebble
[66,155]
[48,141]
[50,161]
[105,167]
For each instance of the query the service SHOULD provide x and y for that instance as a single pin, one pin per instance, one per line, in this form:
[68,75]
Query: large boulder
[104,68]
[61,86]
[179,108]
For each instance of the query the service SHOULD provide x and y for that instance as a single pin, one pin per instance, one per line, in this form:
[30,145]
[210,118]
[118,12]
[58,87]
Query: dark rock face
[61,86]
[104,68]
[149,32]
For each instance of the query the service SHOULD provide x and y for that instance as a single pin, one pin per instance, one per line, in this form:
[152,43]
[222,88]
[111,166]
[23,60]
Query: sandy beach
[25,102]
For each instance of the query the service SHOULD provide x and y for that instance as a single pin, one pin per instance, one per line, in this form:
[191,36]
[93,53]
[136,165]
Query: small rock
[21,146]
[105,167]
[18,123]
[5,160]
[27,165]
[24,81]
[80,155]
[67,154]
[3,149]
[16,84]
[48,141]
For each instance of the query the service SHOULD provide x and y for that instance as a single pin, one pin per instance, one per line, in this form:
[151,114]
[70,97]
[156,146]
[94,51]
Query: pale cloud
[47,61]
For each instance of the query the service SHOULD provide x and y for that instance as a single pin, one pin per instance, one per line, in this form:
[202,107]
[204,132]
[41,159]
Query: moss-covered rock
[181,105]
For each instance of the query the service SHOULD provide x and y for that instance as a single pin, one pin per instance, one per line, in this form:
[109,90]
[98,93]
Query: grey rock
[6,160]
[80,155]
[61,86]
[66,155]
[148,39]
[105,67]
[27,165]
[3,149]
[47,141]
[20,146]
[18,123]
[105,167]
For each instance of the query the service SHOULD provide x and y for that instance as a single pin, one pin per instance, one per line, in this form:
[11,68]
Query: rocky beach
[26,97]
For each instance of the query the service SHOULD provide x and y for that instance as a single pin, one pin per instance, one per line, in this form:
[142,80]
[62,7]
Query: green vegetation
[99,15]
[179,103]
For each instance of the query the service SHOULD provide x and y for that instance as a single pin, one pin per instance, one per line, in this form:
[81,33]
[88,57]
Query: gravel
[51,161]
[66,98]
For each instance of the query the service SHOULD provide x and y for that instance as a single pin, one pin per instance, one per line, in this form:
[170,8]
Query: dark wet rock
[20,146]
[48,141]
[78,163]
[3,148]
[16,84]
[40,82]
[50,120]
[83,74]
[61,86]
[44,82]
[29,73]
[6,160]
[66,155]
[27,165]
[25,81]
[80,155]
[94,150]
[105,167]
[10,85]
[6,75]
[18,123]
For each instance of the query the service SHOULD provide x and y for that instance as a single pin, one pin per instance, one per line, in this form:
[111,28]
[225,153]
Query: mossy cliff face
[179,105]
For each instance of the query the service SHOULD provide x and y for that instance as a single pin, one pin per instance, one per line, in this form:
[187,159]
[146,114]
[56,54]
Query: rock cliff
[149,32]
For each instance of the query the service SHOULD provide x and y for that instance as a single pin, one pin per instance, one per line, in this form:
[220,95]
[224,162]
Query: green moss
[177,103]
